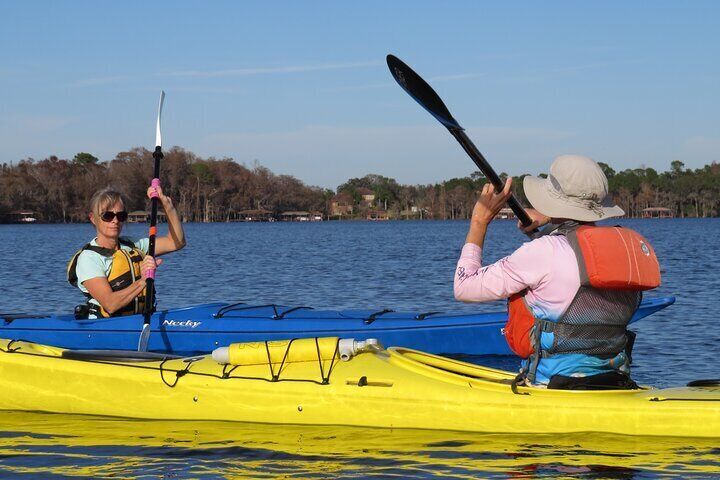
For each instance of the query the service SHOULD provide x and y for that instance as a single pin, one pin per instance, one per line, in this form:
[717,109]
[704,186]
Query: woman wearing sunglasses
[111,270]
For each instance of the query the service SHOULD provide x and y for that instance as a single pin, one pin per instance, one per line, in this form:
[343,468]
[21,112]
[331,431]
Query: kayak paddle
[423,94]
[150,281]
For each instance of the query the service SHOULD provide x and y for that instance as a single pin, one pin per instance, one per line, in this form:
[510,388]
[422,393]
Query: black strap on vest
[105,252]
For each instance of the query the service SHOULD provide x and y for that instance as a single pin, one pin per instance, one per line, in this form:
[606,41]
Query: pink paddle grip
[155,183]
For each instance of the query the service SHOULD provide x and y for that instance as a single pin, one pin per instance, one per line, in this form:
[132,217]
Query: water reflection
[50,446]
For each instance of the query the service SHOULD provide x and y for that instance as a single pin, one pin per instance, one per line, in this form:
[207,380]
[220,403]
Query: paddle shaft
[489,173]
[150,281]
[150,274]
[421,91]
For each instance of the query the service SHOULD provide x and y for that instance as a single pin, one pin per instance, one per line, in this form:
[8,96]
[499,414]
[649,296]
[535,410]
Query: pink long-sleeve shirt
[546,267]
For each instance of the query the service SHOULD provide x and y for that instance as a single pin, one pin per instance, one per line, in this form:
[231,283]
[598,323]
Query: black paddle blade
[421,92]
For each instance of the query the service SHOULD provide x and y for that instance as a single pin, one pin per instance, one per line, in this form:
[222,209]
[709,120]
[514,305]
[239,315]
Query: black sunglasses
[108,216]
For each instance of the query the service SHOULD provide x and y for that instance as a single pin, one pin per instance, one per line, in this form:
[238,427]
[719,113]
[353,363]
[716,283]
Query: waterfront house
[138,216]
[414,212]
[657,212]
[141,216]
[377,215]
[20,216]
[254,215]
[367,196]
[295,216]
[341,205]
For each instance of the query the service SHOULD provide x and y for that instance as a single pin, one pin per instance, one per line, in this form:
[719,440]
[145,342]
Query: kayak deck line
[278,315]
[140,360]
[374,316]
[236,307]
[160,367]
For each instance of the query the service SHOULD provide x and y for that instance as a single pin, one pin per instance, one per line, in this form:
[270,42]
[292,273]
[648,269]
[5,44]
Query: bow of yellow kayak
[393,388]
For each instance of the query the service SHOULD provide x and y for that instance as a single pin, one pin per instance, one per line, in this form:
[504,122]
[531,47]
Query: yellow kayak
[306,382]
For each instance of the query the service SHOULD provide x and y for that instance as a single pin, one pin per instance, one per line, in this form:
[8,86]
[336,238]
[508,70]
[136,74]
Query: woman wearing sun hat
[111,270]
[573,289]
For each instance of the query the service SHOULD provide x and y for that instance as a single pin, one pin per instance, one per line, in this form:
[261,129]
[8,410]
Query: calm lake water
[399,265]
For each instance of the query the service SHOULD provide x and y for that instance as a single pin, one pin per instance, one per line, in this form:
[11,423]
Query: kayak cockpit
[427,362]
[456,371]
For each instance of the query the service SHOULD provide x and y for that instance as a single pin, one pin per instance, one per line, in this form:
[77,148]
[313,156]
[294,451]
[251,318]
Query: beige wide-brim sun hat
[576,189]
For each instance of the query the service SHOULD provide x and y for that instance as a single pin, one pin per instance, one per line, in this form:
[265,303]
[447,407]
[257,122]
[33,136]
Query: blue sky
[302,87]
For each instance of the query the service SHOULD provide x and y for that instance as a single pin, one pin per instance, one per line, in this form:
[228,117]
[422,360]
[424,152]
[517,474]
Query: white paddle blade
[158,135]
[144,337]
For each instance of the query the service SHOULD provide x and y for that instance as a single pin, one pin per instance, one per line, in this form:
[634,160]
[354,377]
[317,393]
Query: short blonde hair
[102,199]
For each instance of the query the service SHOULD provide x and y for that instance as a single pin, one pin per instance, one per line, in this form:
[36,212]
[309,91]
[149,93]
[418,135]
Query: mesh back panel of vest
[595,322]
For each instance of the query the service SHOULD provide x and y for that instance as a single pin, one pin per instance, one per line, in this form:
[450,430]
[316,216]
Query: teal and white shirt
[92,265]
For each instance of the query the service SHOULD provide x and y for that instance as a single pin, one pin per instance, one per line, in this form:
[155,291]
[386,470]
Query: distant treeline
[203,190]
[210,189]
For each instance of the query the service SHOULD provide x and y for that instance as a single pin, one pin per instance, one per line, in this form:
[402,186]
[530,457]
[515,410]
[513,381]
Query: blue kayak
[202,328]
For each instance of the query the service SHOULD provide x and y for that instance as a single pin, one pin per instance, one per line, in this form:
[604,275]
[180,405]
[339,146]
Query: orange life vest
[611,260]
